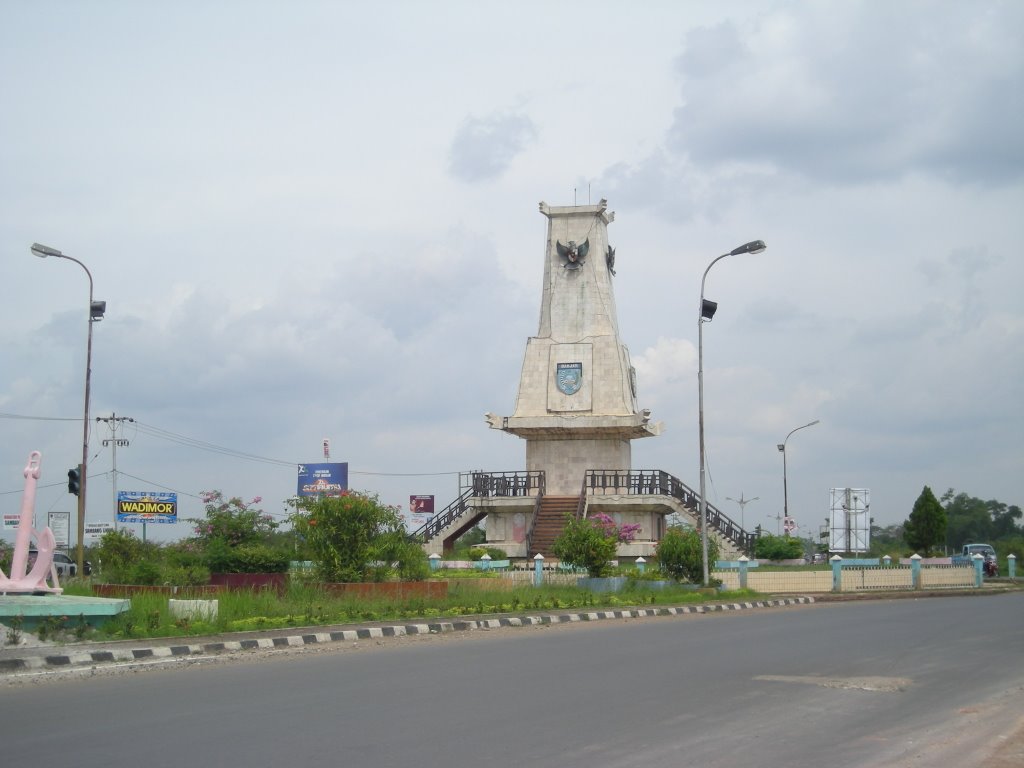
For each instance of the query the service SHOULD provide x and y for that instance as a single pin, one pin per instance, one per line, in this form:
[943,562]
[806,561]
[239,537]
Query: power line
[174,437]
[37,418]
[191,442]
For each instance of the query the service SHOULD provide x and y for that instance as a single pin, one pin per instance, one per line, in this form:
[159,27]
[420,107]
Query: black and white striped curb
[122,655]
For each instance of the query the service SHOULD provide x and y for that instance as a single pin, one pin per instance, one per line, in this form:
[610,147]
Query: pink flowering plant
[237,536]
[591,542]
[621,533]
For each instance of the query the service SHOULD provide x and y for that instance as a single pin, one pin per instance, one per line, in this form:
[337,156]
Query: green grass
[306,606]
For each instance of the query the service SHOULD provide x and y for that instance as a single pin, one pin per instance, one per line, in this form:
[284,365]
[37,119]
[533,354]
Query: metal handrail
[656,482]
[443,519]
[483,484]
[536,514]
[507,484]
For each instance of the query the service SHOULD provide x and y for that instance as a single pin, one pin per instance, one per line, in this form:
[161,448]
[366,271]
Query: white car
[66,567]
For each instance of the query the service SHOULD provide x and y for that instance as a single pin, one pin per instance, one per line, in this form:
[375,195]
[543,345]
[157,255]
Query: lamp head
[708,309]
[754,246]
[42,251]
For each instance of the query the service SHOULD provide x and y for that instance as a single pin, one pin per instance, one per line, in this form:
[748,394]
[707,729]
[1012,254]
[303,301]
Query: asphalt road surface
[896,682]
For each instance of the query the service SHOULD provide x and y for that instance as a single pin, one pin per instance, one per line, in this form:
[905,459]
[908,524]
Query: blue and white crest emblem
[569,377]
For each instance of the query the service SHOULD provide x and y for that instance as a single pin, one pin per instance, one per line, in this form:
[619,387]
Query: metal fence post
[837,573]
[538,569]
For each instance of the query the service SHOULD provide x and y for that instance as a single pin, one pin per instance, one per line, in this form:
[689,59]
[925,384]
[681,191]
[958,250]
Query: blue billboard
[147,507]
[323,479]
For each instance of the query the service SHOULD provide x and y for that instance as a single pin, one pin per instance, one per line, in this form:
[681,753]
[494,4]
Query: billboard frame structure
[849,520]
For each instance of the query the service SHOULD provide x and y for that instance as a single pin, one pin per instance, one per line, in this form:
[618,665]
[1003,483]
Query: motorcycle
[991,568]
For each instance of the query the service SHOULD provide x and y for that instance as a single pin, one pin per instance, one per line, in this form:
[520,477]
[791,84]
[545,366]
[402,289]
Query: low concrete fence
[852,578]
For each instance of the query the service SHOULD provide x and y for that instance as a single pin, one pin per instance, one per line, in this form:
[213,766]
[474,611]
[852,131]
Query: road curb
[164,651]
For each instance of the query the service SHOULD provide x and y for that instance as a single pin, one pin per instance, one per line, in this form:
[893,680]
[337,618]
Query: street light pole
[785,490]
[742,502]
[96,310]
[706,311]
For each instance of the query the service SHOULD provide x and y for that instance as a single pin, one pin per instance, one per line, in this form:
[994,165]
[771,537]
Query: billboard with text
[328,479]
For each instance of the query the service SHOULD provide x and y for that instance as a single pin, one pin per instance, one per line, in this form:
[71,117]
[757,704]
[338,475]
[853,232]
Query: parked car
[66,566]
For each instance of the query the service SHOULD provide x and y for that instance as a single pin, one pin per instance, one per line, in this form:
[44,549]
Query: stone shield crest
[569,377]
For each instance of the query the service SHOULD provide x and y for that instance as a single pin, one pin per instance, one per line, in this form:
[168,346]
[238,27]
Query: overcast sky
[319,220]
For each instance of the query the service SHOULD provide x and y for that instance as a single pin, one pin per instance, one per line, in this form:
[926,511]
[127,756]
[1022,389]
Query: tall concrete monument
[577,404]
[577,411]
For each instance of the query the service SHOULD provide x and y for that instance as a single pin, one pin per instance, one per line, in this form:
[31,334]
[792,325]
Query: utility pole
[114,421]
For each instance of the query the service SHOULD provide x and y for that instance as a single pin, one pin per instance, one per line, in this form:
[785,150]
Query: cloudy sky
[319,220]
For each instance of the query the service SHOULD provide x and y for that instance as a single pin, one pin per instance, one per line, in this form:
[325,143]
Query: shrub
[234,537]
[353,537]
[769,547]
[245,558]
[145,572]
[586,543]
[680,554]
[122,554]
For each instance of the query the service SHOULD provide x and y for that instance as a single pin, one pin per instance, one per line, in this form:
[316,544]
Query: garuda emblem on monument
[573,255]
[569,377]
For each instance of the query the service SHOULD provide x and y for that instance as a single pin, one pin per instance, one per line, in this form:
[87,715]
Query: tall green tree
[968,519]
[1004,520]
[925,529]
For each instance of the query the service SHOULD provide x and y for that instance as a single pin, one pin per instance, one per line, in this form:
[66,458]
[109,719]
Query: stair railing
[536,514]
[657,482]
[443,519]
[485,485]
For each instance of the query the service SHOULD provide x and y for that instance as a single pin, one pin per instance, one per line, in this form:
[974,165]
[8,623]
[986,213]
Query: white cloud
[483,148]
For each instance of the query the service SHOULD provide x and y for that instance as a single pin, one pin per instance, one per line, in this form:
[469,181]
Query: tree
[925,529]
[968,519]
[353,538]
[681,556]
[1004,520]
[888,540]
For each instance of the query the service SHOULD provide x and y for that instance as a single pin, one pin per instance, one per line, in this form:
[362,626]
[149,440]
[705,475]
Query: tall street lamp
[785,491]
[96,311]
[742,502]
[706,312]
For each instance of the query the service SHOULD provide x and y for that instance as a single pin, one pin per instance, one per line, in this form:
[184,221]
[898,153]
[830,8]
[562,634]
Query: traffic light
[75,480]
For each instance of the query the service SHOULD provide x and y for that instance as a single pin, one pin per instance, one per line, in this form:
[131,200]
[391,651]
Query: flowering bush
[591,542]
[235,536]
[233,521]
[623,534]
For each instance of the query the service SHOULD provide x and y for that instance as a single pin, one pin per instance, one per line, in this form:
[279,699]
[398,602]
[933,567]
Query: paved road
[899,682]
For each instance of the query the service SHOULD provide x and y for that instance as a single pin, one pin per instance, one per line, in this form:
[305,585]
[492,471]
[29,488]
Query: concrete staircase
[550,522]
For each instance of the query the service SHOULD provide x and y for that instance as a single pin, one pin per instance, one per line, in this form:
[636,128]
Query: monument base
[34,609]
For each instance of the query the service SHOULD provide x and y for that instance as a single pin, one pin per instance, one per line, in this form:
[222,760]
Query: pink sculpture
[34,580]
